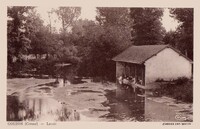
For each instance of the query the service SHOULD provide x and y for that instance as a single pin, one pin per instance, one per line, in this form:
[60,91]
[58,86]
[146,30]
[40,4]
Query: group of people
[128,80]
[129,83]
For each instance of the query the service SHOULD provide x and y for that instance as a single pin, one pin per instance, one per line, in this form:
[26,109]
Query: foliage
[88,45]
[43,67]
[114,38]
[113,16]
[39,35]
[171,38]
[18,36]
[180,89]
[185,31]
[68,15]
[67,50]
[98,43]
[159,80]
[146,26]
[181,80]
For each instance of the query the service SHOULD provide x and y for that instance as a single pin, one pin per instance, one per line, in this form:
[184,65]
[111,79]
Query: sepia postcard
[99,64]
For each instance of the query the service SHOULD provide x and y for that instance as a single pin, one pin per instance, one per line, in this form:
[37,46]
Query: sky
[89,13]
[168,22]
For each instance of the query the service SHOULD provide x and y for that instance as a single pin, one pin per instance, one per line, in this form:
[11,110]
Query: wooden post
[135,71]
[143,75]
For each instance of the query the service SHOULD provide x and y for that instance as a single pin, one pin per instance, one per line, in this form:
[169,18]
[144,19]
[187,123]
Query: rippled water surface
[84,102]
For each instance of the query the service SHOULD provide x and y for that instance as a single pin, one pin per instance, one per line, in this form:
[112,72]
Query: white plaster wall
[167,65]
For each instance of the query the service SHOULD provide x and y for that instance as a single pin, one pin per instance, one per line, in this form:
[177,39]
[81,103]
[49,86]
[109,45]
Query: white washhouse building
[149,63]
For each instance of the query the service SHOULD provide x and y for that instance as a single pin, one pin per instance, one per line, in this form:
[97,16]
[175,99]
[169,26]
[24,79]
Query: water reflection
[125,109]
[39,109]
[38,104]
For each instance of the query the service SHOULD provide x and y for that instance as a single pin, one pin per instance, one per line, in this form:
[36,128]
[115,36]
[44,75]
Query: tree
[18,36]
[116,21]
[68,15]
[112,35]
[113,16]
[171,38]
[185,30]
[146,26]
[38,34]
[82,35]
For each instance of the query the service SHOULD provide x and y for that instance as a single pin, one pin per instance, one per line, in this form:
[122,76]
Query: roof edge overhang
[155,54]
[180,53]
[167,46]
[177,51]
[128,62]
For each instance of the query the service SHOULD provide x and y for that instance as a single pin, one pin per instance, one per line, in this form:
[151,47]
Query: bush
[184,92]
[180,89]
[97,79]
[16,68]
[181,80]
[159,80]
[43,66]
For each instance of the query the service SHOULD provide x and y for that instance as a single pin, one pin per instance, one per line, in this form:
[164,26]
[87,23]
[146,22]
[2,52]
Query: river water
[39,103]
